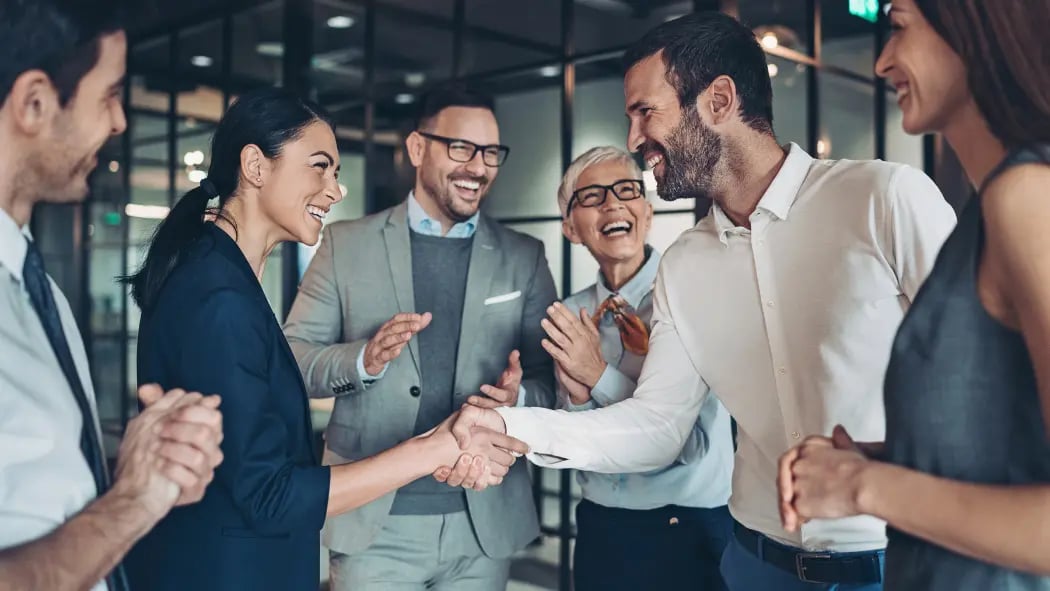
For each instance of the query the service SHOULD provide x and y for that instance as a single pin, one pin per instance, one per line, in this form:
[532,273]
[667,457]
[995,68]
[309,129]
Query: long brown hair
[1003,44]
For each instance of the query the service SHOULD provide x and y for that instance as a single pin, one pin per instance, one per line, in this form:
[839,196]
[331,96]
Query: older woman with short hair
[664,529]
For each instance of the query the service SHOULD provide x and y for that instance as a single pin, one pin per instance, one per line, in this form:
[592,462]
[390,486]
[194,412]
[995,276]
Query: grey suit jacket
[360,277]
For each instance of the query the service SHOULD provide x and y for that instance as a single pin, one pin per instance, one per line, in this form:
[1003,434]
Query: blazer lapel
[484,262]
[399,261]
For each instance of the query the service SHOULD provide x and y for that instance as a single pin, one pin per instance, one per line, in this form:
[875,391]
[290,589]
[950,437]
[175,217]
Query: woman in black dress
[963,479]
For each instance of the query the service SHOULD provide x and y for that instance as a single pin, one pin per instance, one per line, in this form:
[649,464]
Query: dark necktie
[43,300]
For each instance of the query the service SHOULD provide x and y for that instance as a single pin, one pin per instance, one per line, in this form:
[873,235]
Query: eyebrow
[636,105]
[325,154]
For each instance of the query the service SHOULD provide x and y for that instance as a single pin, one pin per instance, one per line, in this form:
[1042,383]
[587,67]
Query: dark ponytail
[268,118]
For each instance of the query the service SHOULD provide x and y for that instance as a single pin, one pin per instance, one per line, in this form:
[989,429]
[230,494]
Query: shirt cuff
[612,387]
[521,397]
[366,377]
[522,425]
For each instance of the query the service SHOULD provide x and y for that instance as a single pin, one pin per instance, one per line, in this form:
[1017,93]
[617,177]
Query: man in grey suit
[465,297]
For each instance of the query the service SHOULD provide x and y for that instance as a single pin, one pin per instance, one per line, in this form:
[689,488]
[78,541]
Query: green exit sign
[865,9]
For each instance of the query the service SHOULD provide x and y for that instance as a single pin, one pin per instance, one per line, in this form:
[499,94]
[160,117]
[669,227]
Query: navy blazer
[258,525]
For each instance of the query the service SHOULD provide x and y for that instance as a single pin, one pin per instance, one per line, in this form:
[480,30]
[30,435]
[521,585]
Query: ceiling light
[770,41]
[823,148]
[149,212]
[196,175]
[550,71]
[201,61]
[404,99]
[773,69]
[114,166]
[341,22]
[415,79]
[193,158]
[270,49]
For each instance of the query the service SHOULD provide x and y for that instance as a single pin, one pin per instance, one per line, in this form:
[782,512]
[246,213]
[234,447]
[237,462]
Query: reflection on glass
[527,184]
[778,23]
[847,118]
[848,40]
[790,115]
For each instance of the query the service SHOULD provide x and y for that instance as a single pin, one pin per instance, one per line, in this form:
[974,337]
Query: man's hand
[488,454]
[574,343]
[505,392]
[391,338]
[190,438]
[579,393]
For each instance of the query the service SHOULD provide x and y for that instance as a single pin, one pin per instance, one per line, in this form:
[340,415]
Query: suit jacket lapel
[484,262]
[399,261]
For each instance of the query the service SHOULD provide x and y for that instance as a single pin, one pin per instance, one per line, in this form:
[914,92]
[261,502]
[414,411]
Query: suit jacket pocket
[244,532]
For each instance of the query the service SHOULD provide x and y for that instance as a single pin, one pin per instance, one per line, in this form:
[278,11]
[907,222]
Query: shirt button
[770,304]
[782,370]
[795,434]
[414,391]
[673,521]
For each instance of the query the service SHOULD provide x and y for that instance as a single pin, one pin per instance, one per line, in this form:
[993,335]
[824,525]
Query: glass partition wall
[554,68]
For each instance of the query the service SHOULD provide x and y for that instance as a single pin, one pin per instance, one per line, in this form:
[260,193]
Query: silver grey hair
[585,161]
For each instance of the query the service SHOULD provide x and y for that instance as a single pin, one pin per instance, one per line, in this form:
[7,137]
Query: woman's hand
[574,343]
[821,478]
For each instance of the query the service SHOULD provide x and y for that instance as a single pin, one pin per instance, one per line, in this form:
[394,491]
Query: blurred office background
[554,67]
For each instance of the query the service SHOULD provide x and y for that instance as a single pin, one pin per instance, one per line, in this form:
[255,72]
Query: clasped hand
[823,478]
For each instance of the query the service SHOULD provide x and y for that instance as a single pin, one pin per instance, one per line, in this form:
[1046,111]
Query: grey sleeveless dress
[961,403]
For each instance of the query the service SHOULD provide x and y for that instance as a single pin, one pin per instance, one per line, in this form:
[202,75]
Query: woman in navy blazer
[207,326]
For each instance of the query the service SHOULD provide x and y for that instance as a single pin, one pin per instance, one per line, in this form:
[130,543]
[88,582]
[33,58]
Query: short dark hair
[699,47]
[444,96]
[1002,45]
[59,37]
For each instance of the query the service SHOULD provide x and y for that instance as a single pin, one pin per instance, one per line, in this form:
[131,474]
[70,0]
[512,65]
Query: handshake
[480,453]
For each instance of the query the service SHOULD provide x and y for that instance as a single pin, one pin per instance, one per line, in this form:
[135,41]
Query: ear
[32,102]
[719,101]
[253,165]
[415,145]
[568,229]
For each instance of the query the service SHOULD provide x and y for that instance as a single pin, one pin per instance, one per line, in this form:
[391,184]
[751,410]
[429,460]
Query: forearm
[1004,525]
[359,483]
[82,551]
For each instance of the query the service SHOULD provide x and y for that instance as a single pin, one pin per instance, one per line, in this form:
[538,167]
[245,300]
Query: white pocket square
[503,298]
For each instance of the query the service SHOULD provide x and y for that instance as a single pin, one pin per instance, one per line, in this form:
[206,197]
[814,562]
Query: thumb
[840,437]
[150,393]
[461,429]
[514,361]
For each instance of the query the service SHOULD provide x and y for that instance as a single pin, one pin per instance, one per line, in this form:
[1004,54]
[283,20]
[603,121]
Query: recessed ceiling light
[150,212]
[114,166]
[773,69]
[341,22]
[770,41]
[415,79]
[404,99]
[201,61]
[270,49]
[196,175]
[550,71]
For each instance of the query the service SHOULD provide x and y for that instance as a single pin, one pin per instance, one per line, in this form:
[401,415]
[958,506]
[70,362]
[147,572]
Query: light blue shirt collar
[421,223]
[638,286]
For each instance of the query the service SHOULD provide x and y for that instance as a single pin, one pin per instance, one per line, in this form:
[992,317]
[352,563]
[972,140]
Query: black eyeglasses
[595,195]
[463,151]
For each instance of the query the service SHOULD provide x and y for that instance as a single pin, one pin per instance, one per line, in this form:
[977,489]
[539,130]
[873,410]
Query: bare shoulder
[1018,199]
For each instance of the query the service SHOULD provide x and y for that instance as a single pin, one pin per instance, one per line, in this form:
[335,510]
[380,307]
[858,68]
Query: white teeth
[611,227]
[652,162]
[471,185]
[318,213]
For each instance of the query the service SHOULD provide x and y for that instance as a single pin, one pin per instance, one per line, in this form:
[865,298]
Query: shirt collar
[637,287]
[13,245]
[780,195]
[421,223]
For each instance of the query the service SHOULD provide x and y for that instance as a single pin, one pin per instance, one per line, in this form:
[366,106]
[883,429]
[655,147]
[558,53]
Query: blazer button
[414,391]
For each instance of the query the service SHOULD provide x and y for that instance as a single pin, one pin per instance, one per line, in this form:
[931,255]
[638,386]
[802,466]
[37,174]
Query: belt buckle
[800,565]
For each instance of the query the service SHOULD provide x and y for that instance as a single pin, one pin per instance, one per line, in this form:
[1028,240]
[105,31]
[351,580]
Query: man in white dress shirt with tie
[784,300]
[63,525]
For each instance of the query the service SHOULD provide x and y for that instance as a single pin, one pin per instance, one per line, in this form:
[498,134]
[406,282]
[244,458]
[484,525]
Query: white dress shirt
[44,477]
[790,322]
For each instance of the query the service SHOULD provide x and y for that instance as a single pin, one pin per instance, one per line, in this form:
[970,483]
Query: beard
[691,154]
[440,189]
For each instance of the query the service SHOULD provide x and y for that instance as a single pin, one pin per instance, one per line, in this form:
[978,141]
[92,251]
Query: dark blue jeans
[663,549]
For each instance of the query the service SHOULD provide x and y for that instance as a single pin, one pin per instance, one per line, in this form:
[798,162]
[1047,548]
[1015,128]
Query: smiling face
[303,184]
[929,77]
[682,151]
[454,190]
[62,156]
[615,231]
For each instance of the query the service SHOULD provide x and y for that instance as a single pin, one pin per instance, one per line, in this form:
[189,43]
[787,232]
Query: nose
[884,64]
[119,120]
[476,166]
[635,137]
[333,192]
[612,203]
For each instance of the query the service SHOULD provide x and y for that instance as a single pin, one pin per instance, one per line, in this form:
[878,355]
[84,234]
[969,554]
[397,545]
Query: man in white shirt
[784,300]
[62,524]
